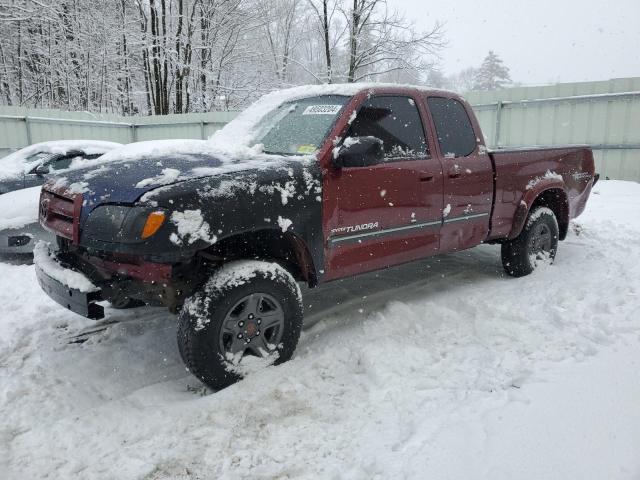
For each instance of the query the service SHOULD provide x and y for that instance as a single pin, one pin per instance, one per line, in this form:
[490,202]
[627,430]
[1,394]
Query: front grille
[59,213]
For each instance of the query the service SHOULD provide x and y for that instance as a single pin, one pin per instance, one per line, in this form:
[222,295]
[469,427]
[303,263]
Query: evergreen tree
[492,74]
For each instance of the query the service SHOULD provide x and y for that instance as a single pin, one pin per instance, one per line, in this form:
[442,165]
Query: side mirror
[42,169]
[359,152]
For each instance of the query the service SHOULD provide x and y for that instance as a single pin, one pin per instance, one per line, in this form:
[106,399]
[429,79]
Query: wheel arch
[553,197]
[286,248]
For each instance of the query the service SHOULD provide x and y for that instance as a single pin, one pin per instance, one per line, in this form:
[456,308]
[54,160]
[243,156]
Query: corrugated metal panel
[573,113]
[20,127]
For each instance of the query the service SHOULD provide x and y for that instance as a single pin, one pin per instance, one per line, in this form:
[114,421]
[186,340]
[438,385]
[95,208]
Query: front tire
[247,308]
[537,242]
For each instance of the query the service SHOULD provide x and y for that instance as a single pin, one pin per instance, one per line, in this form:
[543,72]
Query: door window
[396,121]
[453,126]
[64,162]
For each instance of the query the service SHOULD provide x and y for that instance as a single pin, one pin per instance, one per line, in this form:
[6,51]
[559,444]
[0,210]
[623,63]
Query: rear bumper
[67,287]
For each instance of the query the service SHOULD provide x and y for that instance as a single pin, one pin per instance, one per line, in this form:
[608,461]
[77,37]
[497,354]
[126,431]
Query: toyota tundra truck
[310,185]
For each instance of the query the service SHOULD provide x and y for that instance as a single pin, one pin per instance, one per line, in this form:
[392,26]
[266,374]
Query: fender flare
[533,195]
[304,259]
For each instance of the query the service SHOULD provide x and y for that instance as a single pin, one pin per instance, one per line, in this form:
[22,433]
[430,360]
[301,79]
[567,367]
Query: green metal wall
[603,114]
[20,127]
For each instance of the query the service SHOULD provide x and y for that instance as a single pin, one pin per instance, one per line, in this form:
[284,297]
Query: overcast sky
[541,41]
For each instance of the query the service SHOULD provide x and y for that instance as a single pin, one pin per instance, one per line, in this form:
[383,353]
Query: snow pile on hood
[19,208]
[156,148]
[166,177]
[197,158]
[15,164]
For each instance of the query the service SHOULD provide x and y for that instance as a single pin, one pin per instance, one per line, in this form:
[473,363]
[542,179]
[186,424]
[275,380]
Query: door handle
[455,175]
[426,178]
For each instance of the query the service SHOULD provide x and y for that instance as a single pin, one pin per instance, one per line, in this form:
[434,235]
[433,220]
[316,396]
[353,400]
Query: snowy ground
[439,369]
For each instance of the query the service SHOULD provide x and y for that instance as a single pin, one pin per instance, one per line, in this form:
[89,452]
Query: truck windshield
[300,127]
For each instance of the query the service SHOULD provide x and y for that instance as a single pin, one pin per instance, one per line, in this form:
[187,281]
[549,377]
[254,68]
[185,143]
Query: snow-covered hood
[125,175]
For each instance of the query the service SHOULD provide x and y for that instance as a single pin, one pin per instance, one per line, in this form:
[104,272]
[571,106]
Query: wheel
[537,242]
[246,309]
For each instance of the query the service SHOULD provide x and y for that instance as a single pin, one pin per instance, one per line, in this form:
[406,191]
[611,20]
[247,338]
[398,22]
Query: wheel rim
[541,239]
[254,325]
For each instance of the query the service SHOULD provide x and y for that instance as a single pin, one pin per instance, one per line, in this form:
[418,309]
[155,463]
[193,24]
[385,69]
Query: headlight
[121,224]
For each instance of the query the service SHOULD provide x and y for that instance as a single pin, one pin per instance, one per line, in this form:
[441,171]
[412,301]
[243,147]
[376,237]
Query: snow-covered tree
[492,74]
[177,56]
[381,41]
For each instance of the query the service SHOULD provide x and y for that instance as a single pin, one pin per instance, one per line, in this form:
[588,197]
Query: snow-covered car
[33,165]
[21,175]
[19,227]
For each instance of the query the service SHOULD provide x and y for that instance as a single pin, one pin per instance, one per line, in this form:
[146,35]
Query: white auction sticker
[322,109]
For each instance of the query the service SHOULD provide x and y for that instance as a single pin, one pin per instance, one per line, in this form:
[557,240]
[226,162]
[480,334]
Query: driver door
[391,212]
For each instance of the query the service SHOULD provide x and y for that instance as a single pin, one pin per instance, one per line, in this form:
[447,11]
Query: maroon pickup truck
[308,185]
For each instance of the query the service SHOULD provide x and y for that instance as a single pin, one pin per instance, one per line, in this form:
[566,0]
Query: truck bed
[521,174]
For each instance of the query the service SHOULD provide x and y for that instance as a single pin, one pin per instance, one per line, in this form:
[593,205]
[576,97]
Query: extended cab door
[388,213]
[468,174]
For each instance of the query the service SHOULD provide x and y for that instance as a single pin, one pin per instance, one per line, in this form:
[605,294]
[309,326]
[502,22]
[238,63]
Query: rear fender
[547,192]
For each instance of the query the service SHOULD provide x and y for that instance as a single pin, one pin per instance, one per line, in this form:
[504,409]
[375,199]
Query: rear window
[453,126]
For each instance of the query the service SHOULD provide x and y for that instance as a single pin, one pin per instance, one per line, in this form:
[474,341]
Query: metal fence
[22,127]
[605,115]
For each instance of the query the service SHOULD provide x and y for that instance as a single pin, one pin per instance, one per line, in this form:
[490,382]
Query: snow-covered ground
[443,368]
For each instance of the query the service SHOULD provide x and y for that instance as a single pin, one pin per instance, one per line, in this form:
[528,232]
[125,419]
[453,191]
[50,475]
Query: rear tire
[537,242]
[246,308]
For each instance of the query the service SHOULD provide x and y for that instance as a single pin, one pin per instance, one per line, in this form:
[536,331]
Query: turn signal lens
[153,224]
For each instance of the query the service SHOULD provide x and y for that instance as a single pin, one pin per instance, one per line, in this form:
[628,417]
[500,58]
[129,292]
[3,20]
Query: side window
[40,157]
[395,121]
[455,132]
[64,162]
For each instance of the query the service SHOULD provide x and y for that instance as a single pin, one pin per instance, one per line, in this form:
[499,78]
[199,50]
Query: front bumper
[65,286]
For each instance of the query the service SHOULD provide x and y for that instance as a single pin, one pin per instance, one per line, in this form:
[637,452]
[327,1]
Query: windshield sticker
[306,149]
[322,109]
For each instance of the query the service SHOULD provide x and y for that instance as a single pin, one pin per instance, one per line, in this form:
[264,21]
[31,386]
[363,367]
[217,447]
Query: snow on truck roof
[16,163]
[235,146]
[238,136]
[240,129]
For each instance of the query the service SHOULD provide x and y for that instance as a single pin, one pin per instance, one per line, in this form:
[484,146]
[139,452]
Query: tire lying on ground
[537,242]
[246,309]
